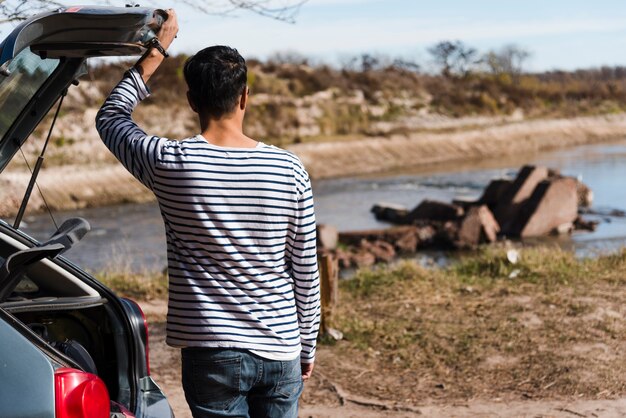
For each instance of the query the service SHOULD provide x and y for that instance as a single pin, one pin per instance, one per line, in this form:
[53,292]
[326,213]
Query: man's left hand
[307,371]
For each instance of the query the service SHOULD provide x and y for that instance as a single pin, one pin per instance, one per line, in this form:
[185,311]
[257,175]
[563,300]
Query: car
[69,346]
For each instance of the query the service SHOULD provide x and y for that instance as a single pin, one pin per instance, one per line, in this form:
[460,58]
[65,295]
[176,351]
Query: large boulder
[494,192]
[553,204]
[508,209]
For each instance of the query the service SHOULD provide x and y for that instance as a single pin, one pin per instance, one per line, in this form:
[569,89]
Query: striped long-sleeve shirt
[240,231]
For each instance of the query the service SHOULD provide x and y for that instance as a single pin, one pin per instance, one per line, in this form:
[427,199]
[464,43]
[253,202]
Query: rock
[507,211]
[431,210]
[382,250]
[327,237]
[563,229]
[552,204]
[334,334]
[464,203]
[344,259]
[390,212]
[581,224]
[408,242]
[554,173]
[585,194]
[492,195]
[447,235]
[392,234]
[363,258]
[425,235]
[478,226]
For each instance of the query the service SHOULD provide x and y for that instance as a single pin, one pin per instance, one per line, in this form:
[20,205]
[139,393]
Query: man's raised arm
[136,150]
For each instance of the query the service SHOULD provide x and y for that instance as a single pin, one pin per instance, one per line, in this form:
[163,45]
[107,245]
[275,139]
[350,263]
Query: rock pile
[539,201]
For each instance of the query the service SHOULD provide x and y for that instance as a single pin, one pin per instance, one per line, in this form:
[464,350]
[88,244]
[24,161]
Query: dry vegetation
[295,101]
[416,336]
[556,330]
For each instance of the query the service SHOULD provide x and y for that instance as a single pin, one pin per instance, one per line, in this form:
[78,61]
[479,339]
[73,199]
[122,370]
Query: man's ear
[192,104]
[244,98]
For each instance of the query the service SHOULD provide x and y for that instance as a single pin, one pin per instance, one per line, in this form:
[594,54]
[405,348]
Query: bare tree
[454,57]
[510,59]
[11,11]
[285,10]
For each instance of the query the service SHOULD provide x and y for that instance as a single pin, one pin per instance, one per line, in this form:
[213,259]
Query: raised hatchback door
[82,31]
[41,57]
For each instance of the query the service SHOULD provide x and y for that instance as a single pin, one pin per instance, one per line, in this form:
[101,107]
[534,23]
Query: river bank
[99,181]
[427,149]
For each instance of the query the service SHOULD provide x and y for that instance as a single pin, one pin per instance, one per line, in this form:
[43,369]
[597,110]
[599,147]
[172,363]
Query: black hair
[216,77]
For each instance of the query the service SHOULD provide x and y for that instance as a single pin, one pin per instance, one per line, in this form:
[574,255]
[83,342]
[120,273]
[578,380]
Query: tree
[454,57]
[510,59]
[285,10]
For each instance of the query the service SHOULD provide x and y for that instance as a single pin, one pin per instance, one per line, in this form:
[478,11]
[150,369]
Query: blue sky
[559,34]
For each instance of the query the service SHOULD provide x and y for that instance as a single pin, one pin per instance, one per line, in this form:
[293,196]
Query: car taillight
[79,394]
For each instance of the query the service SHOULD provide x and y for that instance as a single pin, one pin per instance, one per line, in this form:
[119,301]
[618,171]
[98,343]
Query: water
[132,236]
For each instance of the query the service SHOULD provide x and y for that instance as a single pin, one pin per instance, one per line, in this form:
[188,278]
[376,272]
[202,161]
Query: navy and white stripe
[240,230]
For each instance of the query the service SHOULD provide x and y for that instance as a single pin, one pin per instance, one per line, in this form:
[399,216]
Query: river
[132,236]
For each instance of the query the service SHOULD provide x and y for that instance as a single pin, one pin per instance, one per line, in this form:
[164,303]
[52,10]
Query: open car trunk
[63,305]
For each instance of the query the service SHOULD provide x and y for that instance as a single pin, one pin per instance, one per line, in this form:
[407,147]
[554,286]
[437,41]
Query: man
[243,280]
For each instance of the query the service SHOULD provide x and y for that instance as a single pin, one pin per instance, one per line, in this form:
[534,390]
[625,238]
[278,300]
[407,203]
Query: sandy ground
[324,398]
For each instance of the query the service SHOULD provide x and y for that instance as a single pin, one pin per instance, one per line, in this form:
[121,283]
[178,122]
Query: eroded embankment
[79,186]
[337,159]
[72,187]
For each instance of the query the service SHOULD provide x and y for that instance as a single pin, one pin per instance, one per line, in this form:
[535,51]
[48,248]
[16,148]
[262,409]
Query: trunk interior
[72,316]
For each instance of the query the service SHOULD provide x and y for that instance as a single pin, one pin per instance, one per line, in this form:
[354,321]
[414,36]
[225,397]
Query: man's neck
[227,133]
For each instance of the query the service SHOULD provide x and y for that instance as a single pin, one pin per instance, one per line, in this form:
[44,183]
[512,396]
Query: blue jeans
[236,383]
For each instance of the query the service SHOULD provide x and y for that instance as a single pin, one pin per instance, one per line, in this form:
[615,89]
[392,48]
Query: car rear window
[19,82]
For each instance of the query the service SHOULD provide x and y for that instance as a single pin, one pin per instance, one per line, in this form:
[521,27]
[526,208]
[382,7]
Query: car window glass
[26,74]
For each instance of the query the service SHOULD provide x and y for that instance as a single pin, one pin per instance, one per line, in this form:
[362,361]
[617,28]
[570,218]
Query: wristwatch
[154,43]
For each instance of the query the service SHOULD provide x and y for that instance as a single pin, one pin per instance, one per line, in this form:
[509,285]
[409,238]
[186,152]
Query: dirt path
[324,398]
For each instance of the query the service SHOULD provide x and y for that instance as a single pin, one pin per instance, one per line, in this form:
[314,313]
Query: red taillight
[80,395]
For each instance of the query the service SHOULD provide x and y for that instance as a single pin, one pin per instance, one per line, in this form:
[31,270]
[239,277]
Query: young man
[243,280]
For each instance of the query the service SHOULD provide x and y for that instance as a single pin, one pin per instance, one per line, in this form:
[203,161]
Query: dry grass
[557,330]
[137,286]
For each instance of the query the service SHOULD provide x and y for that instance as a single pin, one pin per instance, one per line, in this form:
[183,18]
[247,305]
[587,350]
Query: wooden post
[329,283]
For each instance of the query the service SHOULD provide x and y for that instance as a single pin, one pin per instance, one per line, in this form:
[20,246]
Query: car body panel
[27,376]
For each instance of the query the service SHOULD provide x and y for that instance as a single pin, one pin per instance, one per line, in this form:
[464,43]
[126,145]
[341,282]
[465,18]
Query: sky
[559,34]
